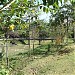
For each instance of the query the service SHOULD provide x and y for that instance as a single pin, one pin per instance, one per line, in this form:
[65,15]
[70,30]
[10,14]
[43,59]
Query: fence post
[33,47]
[1,51]
[7,62]
[48,47]
[39,42]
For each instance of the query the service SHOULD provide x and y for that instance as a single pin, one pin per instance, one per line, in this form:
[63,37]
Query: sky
[46,16]
[43,15]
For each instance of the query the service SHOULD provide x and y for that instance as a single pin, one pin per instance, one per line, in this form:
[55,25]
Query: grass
[52,65]
[40,63]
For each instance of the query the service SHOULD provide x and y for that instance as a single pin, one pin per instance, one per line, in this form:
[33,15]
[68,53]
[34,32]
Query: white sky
[45,16]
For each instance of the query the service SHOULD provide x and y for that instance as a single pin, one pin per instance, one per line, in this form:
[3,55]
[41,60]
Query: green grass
[40,62]
[50,65]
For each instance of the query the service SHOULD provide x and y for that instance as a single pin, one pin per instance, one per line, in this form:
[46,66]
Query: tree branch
[7,5]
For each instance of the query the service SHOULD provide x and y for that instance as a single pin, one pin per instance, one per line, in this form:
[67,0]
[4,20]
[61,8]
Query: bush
[43,34]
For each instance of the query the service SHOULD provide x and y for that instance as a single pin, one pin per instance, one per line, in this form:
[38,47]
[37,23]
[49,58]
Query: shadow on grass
[22,59]
[25,53]
[43,51]
[40,50]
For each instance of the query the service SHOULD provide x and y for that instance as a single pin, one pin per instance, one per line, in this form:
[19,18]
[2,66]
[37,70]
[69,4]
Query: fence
[6,47]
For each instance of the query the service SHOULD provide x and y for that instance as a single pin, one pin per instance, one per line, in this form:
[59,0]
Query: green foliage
[22,7]
[49,2]
[55,5]
[4,71]
[60,15]
[2,1]
[44,2]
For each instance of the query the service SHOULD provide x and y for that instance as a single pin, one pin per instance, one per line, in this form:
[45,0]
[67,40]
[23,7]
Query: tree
[61,20]
[18,9]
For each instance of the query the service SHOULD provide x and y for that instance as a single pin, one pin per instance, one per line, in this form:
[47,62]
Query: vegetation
[30,46]
[3,71]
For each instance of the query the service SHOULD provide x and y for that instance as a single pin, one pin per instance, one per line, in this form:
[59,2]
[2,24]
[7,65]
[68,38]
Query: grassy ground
[42,62]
